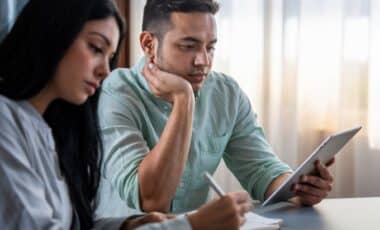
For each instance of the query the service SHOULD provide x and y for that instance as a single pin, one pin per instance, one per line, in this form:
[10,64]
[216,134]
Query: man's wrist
[275,184]
[185,98]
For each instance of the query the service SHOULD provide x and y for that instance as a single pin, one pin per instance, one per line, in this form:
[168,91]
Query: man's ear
[148,43]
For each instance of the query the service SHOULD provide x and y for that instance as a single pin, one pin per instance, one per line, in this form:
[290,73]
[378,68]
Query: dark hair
[156,18]
[29,56]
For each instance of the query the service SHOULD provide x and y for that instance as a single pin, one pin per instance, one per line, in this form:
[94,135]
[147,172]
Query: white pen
[218,189]
[214,185]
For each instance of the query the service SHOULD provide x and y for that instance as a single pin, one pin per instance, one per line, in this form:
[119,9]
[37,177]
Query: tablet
[326,151]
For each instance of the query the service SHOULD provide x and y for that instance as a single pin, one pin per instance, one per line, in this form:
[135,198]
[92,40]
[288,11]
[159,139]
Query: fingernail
[150,65]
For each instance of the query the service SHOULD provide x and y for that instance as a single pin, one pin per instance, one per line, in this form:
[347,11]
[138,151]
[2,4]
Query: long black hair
[29,56]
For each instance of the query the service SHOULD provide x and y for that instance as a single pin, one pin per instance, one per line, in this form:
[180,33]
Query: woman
[52,64]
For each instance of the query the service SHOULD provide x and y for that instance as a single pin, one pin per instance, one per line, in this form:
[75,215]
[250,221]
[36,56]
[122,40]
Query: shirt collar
[138,70]
[144,84]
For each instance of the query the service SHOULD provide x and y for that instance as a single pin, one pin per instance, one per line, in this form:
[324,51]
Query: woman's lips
[91,87]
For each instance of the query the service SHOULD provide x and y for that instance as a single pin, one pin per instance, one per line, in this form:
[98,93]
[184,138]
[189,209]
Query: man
[170,118]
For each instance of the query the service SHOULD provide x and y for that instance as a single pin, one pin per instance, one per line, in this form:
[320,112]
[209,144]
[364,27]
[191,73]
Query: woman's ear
[147,43]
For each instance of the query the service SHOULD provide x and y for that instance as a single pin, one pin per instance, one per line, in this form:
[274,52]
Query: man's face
[187,48]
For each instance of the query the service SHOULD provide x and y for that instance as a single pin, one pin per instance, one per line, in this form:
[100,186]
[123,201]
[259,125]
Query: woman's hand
[137,221]
[226,212]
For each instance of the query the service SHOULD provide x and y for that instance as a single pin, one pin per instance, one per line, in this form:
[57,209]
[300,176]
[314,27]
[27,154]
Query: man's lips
[196,78]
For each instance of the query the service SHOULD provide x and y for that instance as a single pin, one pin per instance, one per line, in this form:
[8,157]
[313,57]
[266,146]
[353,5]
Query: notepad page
[256,222]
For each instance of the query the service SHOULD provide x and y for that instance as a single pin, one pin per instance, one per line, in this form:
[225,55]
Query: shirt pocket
[208,152]
[211,151]
[213,144]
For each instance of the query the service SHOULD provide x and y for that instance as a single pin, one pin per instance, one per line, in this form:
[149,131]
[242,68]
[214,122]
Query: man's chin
[196,86]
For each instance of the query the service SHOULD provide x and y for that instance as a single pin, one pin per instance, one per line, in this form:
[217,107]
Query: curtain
[123,6]
[310,68]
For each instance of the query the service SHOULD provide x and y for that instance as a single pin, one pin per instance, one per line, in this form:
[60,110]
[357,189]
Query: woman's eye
[96,49]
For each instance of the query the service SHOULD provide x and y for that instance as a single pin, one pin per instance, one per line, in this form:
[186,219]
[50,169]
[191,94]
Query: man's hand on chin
[165,85]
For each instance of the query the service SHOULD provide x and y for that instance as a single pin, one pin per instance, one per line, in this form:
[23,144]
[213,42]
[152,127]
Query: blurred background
[310,68]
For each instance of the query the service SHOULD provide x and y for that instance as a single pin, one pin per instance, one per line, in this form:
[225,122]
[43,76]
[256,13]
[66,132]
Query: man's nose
[202,58]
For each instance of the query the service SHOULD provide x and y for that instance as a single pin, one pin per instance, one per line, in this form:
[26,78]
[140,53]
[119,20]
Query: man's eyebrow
[213,41]
[192,39]
[107,41]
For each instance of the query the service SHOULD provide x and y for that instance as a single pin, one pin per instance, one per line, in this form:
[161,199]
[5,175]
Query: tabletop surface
[334,214]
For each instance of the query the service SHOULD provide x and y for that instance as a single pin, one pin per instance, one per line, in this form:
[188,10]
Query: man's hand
[137,221]
[224,213]
[313,188]
[165,85]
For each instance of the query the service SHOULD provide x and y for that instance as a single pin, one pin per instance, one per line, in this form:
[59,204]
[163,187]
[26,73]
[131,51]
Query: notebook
[257,222]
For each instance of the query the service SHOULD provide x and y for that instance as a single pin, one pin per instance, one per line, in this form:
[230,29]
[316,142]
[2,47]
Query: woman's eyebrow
[107,41]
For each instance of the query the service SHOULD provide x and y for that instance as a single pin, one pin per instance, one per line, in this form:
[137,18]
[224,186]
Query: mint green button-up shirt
[224,126]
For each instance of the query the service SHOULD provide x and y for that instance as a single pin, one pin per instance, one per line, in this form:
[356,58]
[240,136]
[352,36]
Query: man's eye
[211,49]
[187,47]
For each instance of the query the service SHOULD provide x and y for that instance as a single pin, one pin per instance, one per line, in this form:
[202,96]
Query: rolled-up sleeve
[124,146]
[249,155]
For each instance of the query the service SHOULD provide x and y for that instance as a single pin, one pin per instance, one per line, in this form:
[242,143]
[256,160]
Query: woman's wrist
[195,220]
[126,223]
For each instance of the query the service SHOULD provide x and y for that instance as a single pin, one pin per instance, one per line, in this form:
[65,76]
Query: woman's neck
[42,100]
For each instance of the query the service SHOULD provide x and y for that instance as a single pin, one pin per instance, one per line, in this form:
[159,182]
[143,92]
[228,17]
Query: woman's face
[87,61]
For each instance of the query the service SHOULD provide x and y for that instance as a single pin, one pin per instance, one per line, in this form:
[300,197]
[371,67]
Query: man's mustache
[204,71]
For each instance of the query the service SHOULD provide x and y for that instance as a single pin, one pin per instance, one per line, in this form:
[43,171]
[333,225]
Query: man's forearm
[161,170]
[276,183]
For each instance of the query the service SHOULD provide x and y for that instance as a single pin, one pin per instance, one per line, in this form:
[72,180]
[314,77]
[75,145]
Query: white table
[330,214]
